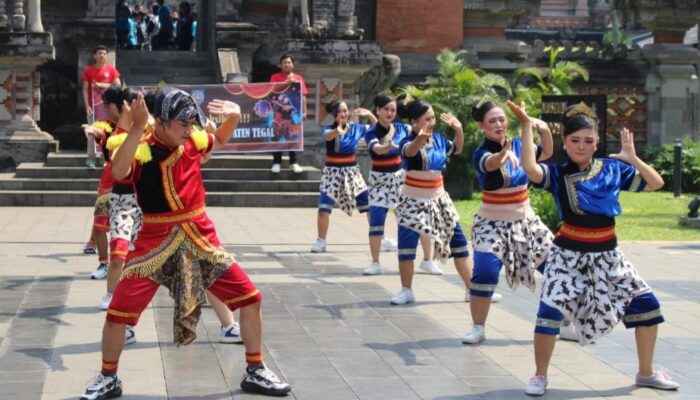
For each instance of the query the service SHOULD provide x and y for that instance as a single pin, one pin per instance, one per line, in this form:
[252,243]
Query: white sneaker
[89,248]
[389,244]
[296,168]
[103,387]
[660,380]
[319,246]
[496,298]
[230,334]
[100,272]
[275,169]
[405,296]
[429,267]
[263,381]
[373,268]
[476,335]
[536,386]
[106,299]
[129,335]
[568,332]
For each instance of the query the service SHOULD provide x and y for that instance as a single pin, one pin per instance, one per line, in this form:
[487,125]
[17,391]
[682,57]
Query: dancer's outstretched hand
[538,124]
[519,111]
[627,152]
[361,112]
[224,107]
[137,111]
[451,121]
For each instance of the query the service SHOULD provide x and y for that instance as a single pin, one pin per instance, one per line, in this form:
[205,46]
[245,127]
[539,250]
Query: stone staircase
[174,67]
[230,181]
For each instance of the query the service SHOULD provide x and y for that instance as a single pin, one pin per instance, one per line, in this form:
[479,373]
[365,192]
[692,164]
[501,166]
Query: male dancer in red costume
[178,246]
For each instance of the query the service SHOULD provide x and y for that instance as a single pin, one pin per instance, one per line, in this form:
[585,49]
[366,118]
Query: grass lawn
[645,216]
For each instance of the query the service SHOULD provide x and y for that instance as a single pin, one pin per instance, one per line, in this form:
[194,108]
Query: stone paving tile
[329,330]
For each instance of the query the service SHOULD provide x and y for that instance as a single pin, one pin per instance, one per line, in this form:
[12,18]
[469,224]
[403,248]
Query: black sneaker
[103,387]
[263,381]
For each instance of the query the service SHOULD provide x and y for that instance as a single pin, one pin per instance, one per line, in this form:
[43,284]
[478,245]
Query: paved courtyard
[328,330]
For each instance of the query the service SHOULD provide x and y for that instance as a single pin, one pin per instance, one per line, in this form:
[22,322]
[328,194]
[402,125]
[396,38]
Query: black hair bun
[412,109]
[333,106]
[479,113]
[381,100]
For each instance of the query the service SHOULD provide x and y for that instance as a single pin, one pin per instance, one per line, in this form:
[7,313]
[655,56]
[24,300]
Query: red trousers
[132,295]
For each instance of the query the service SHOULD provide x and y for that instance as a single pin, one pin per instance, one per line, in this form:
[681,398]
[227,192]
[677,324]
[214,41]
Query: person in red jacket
[287,74]
[96,79]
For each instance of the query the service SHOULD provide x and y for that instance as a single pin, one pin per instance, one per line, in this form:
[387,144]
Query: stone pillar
[671,87]
[18,18]
[34,16]
[3,15]
[672,82]
[20,54]
[581,9]
[484,33]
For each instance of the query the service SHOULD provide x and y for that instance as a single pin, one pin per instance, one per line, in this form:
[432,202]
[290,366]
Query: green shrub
[456,88]
[543,204]
[661,158]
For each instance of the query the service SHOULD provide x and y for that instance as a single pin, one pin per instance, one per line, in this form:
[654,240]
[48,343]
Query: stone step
[152,80]
[232,186]
[48,198]
[262,160]
[38,170]
[144,62]
[155,70]
[165,55]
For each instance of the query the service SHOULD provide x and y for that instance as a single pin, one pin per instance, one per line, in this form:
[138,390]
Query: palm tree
[557,78]
[456,88]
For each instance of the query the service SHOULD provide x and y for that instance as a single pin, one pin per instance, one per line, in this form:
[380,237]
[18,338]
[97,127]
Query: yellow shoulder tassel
[143,153]
[200,139]
[104,126]
[115,141]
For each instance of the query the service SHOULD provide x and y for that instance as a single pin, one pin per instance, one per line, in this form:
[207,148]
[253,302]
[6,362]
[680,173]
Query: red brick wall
[419,26]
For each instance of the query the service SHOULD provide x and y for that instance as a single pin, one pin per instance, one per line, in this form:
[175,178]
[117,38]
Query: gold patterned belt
[174,217]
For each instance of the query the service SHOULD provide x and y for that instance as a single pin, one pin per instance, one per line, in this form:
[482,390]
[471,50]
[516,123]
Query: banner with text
[271,115]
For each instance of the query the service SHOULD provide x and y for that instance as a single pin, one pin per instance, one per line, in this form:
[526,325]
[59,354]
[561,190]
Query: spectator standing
[122,16]
[153,27]
[194,31]
[175,17]
[141,26]
[96,79]
[165,33]
[183,38]
[287,74]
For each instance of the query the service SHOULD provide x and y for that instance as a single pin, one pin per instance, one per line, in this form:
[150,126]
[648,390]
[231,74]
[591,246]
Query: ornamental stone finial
[18,18]
[3,15]
[34,16]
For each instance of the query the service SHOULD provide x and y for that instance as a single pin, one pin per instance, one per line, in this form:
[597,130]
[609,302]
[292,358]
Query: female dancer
[506,232]
[385,181]
[587,278]
[341,181]
[425,208]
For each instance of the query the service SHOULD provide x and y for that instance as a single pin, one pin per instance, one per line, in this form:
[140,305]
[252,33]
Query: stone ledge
[344,52]
[689,222]
[26,44]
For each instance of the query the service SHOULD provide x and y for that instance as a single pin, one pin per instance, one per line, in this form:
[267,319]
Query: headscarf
[172,103]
